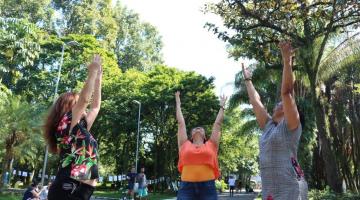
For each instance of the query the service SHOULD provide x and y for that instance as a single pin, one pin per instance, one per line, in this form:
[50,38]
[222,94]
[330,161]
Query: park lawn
[10,197]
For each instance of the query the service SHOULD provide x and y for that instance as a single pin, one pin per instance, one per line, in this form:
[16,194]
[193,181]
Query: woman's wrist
[248,79]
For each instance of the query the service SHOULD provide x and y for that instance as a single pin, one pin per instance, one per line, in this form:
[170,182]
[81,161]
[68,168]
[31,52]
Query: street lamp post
[71,43]
[137,137]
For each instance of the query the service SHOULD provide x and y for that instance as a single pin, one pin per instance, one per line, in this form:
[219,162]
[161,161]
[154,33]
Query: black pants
[232,190]
[69,189]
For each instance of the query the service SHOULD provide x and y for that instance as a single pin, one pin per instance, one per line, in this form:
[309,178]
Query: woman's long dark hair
[62,105]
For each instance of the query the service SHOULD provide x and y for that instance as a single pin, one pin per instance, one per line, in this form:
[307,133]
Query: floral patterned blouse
[78,150]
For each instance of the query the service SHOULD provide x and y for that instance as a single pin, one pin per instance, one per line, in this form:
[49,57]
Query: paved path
[222,196]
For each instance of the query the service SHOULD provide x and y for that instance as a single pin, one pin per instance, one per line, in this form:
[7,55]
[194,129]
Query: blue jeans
[197,191]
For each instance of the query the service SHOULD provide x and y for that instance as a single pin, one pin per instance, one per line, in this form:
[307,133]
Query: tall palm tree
[340,72]
[19,127]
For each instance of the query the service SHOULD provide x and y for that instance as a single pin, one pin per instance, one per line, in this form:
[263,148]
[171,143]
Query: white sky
[187,44]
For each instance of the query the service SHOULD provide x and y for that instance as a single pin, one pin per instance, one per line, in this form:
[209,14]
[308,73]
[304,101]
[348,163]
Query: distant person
[247,188]
[239,185]
[231,182]
[141,179]
[198,159]
[281,175]
[131,177]
[32,192]
[44,191]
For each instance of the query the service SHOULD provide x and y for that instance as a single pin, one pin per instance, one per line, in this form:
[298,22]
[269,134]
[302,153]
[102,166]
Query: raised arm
[260,111]
[181,135]
[35,194]
[86,92]
[291,113]
[216,131]
[96,102]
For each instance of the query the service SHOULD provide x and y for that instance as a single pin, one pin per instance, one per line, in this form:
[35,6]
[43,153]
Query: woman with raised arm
[67,134]
[198,161]
[281,175]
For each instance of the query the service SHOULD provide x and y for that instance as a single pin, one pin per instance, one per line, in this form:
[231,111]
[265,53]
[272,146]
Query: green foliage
[4,93]
[345,55]
[138,44]
[239,145]
[221,185]
[255,29]
[20,135]
[155,89]
[83,17]
[30,59]
[36,11]
[260,24]
[38,83]
[357,90]
[18,41]
[9,197]
[328,195]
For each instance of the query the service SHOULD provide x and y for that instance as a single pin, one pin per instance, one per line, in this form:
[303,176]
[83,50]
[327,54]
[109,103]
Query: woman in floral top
[67,134]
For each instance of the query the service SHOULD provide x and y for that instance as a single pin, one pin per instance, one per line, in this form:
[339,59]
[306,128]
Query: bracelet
[222,107]
[247,79]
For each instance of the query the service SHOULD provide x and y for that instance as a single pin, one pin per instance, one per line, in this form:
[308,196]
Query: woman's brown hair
[62,105]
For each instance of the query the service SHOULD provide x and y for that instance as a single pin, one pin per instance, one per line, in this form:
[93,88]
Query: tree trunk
[8,157]
[331,168]
[317,175]
[355,122]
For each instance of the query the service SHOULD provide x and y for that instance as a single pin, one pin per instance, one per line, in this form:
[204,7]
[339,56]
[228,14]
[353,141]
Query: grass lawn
[10,197]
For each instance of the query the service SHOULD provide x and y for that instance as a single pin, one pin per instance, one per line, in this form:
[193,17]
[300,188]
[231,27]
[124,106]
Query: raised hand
[223,100]
[95,65]
[246,73]
[182,137]
[286,49]
[99,73]
[177,98]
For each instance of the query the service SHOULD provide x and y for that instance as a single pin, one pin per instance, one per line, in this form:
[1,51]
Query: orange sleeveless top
[206,154]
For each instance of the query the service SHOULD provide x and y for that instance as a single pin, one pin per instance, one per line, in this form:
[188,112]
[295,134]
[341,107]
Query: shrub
[220,185]
[329,195]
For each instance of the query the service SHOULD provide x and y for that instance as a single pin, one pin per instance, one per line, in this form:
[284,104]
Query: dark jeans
[69,189]
[232,188]
[197,191]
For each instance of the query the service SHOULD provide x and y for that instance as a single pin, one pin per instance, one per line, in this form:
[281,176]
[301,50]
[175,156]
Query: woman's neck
[277,120]
[198,142]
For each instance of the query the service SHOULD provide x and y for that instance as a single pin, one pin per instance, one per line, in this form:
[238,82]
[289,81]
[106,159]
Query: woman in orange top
[198,163]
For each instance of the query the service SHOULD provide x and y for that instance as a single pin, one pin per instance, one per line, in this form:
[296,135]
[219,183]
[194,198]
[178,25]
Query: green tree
[18,41]
[93,17]
[36,11]
[340,73]
[258,25]
[117,124]
[138,44]
[18,125]
[238,152]
[38,82]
